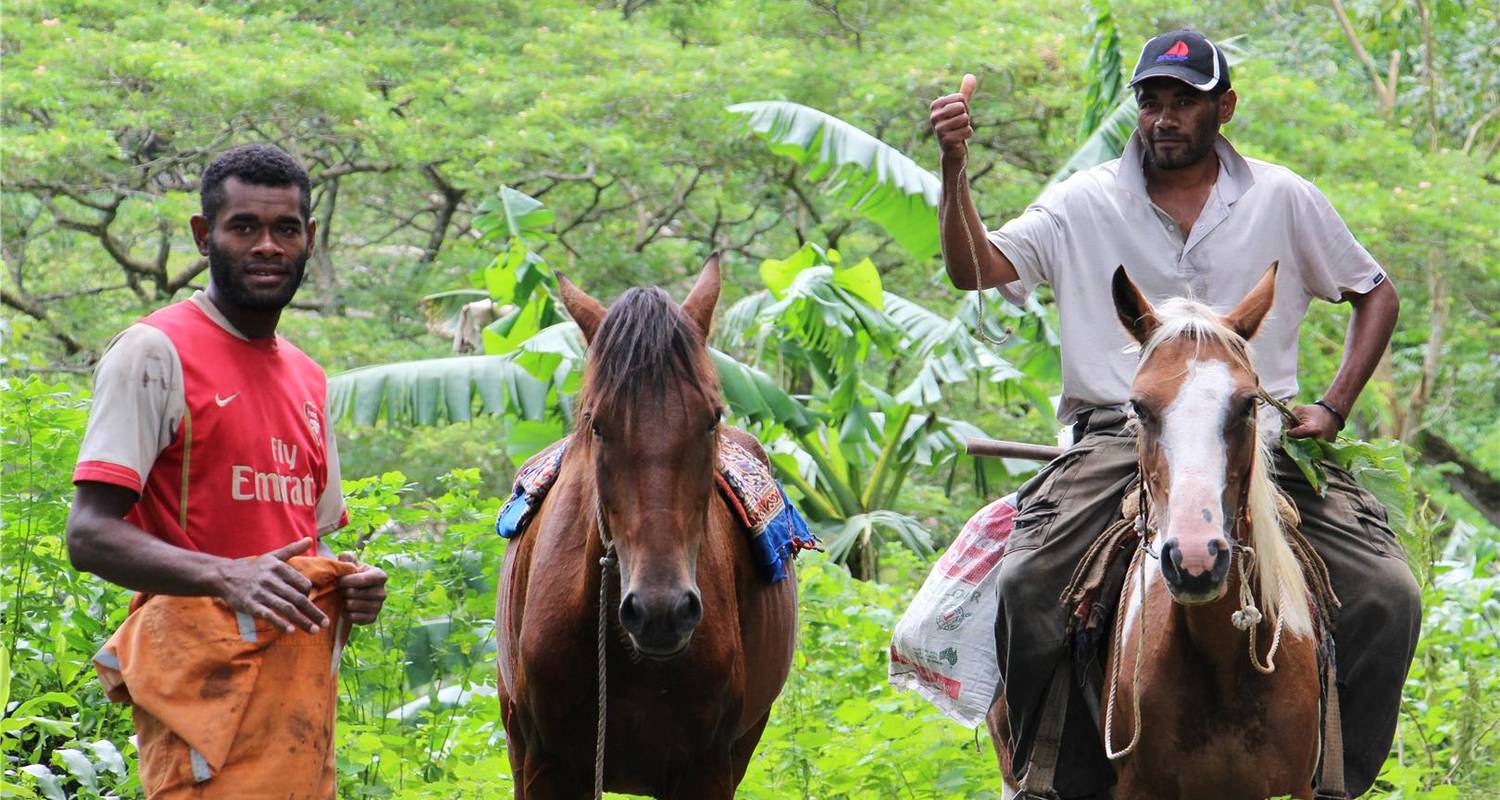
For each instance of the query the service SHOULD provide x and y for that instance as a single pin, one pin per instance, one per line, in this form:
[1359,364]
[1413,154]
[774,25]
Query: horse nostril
[689,609]
[1171,561]
[1223,554]
[632,614]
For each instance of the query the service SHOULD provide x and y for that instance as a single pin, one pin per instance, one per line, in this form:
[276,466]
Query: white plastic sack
[944,645]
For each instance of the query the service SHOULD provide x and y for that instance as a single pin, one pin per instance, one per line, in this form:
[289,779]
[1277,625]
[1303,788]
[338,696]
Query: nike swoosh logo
[224,401]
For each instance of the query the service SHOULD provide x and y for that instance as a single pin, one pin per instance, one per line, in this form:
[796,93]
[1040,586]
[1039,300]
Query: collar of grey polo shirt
[1233,181]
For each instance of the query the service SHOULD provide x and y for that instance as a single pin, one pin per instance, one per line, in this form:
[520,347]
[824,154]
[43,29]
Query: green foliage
[58,734]
[875,367]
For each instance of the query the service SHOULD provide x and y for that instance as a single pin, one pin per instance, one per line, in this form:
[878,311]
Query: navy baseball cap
[1187,56]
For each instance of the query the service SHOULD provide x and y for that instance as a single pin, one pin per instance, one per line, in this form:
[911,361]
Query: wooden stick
[996,448]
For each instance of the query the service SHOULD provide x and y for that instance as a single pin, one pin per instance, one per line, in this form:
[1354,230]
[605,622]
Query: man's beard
[229,279]
[1197,143]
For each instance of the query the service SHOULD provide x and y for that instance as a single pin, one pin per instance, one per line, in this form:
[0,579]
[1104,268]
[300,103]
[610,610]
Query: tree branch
[1473,484]
[451,197]
[31,309]
[1385,92]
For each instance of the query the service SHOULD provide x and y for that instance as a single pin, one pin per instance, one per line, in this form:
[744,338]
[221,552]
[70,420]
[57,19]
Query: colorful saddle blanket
[776,529]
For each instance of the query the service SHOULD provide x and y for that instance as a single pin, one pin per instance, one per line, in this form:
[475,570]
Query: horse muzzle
[1197,570]
[661,623]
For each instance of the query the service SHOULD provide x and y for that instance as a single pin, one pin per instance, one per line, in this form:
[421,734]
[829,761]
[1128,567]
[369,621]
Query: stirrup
[1321,795]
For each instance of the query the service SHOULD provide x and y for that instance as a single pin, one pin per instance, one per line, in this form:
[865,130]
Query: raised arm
[964,239]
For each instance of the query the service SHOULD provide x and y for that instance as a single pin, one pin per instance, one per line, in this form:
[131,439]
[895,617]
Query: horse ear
[1134,310]
[585,310]
[1246,317]
[700,302]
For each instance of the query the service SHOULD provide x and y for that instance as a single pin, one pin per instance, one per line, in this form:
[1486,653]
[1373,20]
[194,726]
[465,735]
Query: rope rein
[1139,567]
[607,561]
[958,196]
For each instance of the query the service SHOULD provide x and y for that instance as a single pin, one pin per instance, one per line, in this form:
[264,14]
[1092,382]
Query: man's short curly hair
[258,164]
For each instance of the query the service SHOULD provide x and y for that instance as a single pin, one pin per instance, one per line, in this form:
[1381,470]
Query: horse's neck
[1206,630]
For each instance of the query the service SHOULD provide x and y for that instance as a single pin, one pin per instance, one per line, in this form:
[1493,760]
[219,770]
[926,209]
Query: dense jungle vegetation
[463,151]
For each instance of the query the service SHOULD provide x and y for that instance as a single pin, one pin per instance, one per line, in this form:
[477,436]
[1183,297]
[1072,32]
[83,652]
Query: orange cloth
[227,705]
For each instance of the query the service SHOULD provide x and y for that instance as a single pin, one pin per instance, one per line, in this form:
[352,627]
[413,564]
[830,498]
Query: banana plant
[830,328]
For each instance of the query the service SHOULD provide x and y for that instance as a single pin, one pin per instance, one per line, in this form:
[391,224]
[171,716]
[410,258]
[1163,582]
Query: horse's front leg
[708,778]
[543,777]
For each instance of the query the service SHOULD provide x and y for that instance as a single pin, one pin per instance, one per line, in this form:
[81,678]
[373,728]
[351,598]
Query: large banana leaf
[868,175]
[752,395]
[443,390]
[436,390]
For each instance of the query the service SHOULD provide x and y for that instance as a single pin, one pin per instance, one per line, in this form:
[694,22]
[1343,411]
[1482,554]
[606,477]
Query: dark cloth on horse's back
[1072,501]
[775,528]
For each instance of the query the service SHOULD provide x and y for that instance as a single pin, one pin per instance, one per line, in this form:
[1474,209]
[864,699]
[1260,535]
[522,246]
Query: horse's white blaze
[1193,442]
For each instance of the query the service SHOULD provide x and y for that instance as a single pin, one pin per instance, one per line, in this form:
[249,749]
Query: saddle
[1092,596]
[776,530]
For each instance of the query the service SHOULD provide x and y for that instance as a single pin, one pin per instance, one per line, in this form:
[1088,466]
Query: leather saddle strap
[1331,773]
[1041,764]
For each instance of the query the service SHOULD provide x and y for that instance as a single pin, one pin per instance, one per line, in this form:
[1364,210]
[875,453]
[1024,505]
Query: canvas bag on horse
[943,647]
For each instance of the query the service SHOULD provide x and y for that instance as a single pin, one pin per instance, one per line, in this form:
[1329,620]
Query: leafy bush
[59,736]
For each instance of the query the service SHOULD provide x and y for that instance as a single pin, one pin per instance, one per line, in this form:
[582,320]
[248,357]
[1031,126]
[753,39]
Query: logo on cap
[1178,52]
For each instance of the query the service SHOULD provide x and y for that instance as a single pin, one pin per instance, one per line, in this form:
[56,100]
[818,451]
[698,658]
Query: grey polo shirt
[1076,234]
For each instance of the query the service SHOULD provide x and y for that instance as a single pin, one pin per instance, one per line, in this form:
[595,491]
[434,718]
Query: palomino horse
[1206,695]
[698,645]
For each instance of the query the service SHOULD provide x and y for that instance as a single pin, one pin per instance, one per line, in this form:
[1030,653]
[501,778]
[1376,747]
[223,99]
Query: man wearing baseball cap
[1186,215]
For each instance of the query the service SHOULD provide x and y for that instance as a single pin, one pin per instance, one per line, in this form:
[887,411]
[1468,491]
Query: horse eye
[594,426]
[718,417]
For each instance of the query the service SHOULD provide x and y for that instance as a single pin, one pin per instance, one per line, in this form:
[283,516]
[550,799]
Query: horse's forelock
[645,347]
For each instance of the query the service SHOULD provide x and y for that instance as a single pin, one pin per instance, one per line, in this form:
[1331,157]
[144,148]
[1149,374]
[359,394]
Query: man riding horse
[1187,215]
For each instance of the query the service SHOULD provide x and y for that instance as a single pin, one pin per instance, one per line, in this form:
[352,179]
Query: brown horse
[1207,695]
[698,645]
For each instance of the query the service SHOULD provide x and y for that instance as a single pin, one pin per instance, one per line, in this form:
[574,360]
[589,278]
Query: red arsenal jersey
[224,437]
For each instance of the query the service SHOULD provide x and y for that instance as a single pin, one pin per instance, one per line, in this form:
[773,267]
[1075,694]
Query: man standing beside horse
[206,477]
[1187,215]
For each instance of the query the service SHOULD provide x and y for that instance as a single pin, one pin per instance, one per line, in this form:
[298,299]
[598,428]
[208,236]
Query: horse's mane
[1181,318]
[645,346]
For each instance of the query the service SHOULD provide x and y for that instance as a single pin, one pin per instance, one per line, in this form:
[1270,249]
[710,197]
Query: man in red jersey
[208,461]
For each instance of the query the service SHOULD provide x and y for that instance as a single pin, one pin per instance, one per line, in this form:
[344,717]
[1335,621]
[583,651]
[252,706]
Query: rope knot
[1246,618]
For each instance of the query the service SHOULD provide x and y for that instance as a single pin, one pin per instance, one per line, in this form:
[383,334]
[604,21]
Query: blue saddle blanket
[776,529]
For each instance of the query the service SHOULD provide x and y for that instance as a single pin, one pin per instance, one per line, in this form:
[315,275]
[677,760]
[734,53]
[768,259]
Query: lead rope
[605,562]
[1248,617]
[1139,567]
[963,191]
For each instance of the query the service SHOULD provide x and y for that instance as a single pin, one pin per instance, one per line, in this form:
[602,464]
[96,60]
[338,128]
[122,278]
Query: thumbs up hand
[951,121]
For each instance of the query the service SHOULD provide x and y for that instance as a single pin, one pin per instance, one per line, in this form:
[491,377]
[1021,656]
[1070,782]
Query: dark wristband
[1335,412]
